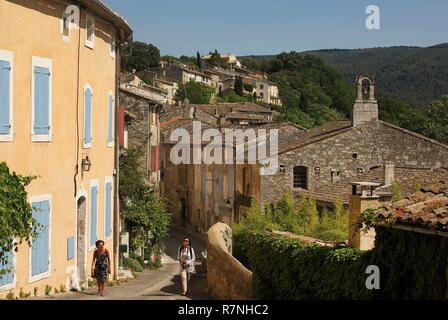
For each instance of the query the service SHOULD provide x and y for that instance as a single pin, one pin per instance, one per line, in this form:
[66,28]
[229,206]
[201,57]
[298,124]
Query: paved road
[162,284]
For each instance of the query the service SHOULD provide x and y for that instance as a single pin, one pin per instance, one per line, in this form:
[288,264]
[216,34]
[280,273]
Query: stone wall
[350,153]
[227,278]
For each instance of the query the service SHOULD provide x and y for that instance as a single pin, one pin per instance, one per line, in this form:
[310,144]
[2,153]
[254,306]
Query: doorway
[81,240]
[184,212]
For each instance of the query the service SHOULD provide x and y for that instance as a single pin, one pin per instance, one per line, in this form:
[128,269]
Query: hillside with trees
[314,91]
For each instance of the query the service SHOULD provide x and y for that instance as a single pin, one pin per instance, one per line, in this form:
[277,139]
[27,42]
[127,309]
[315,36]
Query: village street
[162,284]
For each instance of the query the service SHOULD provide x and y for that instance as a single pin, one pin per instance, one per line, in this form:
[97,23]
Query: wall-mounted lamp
[86,164]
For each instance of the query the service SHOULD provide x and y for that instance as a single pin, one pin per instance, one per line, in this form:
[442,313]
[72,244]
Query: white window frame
[9,56]
[90,43]
[87,145]
[45,275]
[43,63]
[12,285]
[111,181]
[110,144]
[93,183]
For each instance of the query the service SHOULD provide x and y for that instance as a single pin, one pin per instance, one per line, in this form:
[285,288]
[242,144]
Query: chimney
[389,174]
[363,197]
[365,108]
[191,113]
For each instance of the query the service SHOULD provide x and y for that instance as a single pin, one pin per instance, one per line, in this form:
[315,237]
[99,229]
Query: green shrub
[412,266]
[48,290]
[132,264]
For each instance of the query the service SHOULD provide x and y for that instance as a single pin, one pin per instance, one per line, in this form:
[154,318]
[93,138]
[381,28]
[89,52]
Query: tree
[144,212]
[16,218]
[215,60]
[199,60]
[140,56]
[239,86]
[195,92]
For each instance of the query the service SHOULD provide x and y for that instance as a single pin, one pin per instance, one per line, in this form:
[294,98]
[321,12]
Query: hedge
[412,266]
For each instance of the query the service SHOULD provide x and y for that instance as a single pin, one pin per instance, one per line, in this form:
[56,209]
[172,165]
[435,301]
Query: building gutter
[417,230]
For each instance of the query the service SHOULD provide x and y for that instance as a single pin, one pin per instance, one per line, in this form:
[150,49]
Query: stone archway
[366,88]
[81,249]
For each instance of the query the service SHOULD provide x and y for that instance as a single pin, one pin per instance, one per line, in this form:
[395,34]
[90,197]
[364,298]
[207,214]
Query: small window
[300,178]
[90,31]
[355,156]
[336,176]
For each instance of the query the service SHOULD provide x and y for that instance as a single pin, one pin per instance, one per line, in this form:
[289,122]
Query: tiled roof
[408,179]
[427,208]
[316,134]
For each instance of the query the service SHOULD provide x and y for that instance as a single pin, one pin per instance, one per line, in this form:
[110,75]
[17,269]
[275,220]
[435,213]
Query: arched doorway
[81,240]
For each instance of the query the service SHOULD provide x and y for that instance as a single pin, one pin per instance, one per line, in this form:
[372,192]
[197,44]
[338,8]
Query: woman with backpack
[186,258]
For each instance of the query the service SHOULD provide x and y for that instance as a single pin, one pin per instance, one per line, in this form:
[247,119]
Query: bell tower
[365,108]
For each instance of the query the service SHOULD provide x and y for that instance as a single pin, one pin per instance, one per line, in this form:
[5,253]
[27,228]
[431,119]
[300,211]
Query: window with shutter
[40,248]
[108,209]
[7,277]
[93,214]
[41,100]
[5,98]
[88,117]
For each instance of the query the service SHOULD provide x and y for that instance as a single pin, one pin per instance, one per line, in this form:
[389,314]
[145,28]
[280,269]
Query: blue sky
[245,27]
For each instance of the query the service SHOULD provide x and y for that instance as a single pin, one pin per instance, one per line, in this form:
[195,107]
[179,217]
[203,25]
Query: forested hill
[413,74]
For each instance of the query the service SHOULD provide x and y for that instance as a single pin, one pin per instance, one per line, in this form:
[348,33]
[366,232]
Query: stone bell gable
[365,108]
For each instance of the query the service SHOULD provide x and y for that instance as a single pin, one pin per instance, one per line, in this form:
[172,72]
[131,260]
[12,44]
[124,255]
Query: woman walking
[101,266]
[186,258]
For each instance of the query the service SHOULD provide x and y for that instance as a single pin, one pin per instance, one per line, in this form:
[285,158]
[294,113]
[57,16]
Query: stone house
[340,150]
[134,84]
[200,195]
[139,127]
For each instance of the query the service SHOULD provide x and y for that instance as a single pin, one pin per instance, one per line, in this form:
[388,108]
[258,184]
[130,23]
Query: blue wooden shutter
[41,100]
[70,248]
[7,278]
[93,214]
[40,255]
[5,70]
[88,116]
[108,227]
[110,138]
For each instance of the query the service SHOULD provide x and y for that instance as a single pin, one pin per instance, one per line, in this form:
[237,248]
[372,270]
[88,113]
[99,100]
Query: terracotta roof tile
[426,208]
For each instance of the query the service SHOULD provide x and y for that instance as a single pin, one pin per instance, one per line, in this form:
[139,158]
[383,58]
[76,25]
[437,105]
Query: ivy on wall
[412,266]
[16,220]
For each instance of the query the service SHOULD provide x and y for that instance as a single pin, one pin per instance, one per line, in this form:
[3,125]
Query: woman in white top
[186,260]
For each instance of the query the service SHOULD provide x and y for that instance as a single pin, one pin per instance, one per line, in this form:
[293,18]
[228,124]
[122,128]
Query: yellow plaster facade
[31,35]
